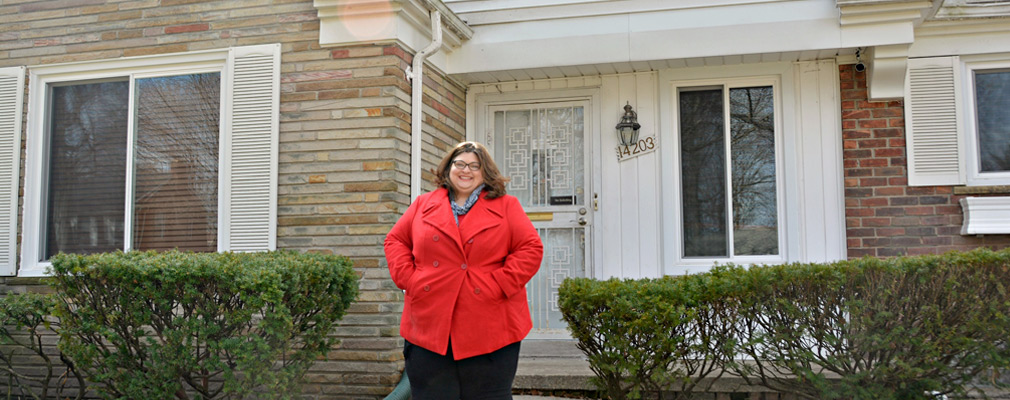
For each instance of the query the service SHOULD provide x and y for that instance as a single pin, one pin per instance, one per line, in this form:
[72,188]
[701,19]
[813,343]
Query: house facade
[771,131]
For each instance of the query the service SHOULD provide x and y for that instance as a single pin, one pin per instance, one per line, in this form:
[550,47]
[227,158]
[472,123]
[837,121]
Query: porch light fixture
[860,67]
[627,129]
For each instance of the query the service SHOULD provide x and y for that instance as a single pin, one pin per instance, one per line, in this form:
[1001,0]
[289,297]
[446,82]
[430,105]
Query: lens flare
[366,20]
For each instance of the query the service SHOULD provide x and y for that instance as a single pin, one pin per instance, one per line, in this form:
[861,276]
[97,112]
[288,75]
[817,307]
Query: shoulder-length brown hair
[494,182]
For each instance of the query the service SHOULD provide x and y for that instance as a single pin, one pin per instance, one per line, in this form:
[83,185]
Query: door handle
[582,220]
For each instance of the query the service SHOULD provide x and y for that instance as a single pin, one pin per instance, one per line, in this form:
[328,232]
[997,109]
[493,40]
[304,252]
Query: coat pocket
[486,288]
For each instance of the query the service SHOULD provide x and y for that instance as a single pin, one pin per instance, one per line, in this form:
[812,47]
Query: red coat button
[427,288]
[435,238]
[435,263]
[476,291]
[462,266]
[470,241]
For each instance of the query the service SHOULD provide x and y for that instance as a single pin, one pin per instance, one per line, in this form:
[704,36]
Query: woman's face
[464,180]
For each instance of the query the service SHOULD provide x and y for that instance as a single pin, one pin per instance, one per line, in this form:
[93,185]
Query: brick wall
[884,216]
[344,139]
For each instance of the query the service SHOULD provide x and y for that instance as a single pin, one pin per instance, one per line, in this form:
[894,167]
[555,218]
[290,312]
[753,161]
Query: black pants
[437,377]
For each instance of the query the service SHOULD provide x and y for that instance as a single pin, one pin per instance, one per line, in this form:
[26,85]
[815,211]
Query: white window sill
[985,215]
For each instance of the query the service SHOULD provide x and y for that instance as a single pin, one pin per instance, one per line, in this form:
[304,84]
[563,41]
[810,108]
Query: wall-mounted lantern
[627,129]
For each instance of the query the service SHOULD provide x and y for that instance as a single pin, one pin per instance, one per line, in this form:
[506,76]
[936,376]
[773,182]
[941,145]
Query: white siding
[630,245]
[811,191]
[818,181]
[626,224]
[634,228]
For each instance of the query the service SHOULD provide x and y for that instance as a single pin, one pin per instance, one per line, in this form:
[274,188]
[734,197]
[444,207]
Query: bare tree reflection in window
[752,202]
[992,103]
[86,168]
[703,173]
[752,148]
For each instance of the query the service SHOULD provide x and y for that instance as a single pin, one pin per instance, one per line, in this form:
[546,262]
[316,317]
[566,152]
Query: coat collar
[485,214]
[482,216]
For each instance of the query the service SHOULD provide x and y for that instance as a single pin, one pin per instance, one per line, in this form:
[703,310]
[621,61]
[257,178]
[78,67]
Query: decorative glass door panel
[542,148]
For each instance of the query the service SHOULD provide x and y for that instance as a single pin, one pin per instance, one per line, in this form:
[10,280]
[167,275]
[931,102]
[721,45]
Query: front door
[542,148]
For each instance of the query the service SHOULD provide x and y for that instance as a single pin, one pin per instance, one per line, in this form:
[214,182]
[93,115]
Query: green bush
[874,329]
[646,336]
[864,329]
[146,325]
[24,321]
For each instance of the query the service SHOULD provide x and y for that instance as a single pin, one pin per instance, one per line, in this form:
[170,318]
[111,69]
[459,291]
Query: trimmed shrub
[903,328]
[146,325]
[649,335]
[24,321]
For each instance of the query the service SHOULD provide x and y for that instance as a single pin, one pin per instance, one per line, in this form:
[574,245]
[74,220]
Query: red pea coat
[468,282]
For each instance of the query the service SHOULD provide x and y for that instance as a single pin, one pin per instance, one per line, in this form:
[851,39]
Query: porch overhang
[505,41]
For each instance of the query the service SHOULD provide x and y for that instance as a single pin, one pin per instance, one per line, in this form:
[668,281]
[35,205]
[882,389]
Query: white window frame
[972,160]
[690,264]
[216,60]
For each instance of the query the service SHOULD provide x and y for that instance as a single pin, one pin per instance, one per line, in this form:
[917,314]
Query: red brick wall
[884,216]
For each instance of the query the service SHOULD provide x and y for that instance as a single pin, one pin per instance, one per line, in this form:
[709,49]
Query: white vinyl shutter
[249,170]
[12,86]
[933,122]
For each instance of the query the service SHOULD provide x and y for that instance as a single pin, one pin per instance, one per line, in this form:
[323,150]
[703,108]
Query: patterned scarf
[457,209]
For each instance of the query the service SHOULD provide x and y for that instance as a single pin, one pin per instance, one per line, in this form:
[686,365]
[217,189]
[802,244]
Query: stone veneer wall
[344,139]
[884,216]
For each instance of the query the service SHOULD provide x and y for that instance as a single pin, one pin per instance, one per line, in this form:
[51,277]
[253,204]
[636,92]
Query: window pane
[176,155]
[703,173]
[87,168]
[752,136]
[992,99]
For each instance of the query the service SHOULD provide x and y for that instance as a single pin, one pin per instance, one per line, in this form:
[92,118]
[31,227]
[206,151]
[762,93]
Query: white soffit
[570,35]
[517,75]
[485,12]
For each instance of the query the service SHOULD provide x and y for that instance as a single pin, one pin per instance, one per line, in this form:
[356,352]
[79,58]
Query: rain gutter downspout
[415,76]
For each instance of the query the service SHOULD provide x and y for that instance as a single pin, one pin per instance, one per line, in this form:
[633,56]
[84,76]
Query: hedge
[646,335]
[147,325]
[902,328]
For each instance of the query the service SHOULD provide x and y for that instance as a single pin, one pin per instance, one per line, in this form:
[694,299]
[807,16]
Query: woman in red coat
[463,254]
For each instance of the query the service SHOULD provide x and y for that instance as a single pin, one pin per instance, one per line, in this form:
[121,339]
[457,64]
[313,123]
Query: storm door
[542,148]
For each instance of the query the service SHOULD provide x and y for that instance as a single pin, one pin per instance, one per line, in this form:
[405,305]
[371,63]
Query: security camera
[860,67]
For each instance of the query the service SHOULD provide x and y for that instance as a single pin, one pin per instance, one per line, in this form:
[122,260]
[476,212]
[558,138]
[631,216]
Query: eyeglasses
[461,165]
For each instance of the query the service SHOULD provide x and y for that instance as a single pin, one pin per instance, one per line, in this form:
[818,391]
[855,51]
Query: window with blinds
[176,163]
[160,152]
[166,165]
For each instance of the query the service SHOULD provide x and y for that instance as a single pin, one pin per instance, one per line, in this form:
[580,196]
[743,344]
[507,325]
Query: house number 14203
[643,146]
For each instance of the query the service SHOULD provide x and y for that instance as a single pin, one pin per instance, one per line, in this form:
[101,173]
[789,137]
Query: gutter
[415,75]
